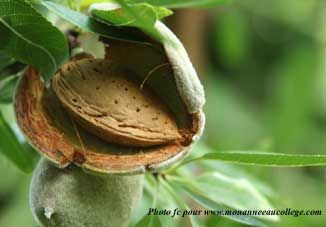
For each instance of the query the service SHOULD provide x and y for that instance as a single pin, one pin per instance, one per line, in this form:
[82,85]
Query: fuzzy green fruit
[72,198]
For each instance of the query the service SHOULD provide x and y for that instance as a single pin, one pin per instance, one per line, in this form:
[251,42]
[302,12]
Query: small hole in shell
[74,100]
[115,101]
[137,109]
[126,89]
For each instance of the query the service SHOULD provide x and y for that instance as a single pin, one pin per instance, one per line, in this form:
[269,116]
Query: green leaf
[183,3]
[86,3]
[233,171]
[161,12]
[89,24]
[264,159]
[13,150]
[237,193]
[164,201]
[142,15]
[119,16]
[30,38]
[201,198]
[5,60]
[151,220]
[7,88]
[194,220]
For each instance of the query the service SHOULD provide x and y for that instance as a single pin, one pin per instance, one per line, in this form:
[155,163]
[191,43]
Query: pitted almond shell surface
[110,103]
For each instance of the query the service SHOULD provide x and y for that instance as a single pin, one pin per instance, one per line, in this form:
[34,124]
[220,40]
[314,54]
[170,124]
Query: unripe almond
[73,198]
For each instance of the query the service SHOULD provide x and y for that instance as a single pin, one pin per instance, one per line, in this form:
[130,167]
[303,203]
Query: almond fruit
[137,110]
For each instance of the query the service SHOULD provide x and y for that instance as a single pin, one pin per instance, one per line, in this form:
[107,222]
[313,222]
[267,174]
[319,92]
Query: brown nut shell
[110,103]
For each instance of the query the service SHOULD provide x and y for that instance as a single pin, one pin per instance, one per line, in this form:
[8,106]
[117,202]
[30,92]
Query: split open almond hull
[52,130]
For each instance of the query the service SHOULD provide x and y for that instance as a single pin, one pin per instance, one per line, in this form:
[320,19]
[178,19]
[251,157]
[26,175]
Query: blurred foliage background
[263,64]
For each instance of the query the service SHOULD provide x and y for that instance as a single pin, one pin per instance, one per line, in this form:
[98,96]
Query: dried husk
[61,137]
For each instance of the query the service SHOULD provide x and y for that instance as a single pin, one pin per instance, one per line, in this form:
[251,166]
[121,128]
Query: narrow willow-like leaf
[13,150]
[194,220]
[86,3]
[151,220]
[118,16]
[142,16]
[236,193]
[184,3]
[201,198]
[89,24]
[30,38]
[264,159]
[233,171]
